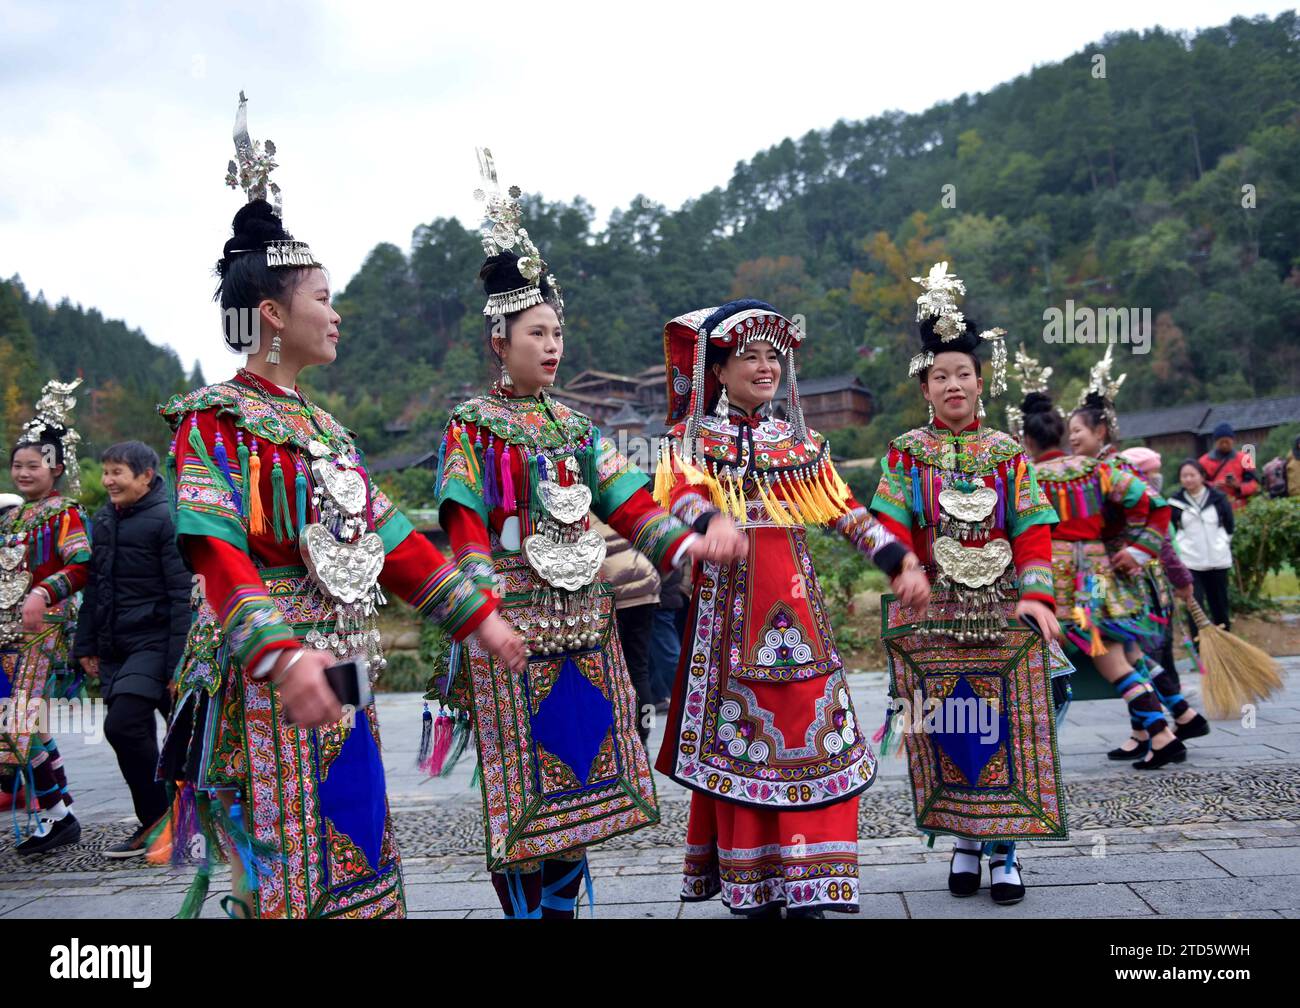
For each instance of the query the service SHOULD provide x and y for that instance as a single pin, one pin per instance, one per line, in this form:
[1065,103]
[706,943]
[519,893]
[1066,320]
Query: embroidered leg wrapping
[1143,705]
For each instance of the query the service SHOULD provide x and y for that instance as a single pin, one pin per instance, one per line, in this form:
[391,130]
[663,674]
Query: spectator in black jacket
[135,615]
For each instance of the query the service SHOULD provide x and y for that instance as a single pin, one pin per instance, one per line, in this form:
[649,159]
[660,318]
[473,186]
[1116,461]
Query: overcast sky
[115,118]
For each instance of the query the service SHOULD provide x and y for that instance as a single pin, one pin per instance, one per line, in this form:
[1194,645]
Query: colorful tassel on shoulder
[281,522]
[256,512]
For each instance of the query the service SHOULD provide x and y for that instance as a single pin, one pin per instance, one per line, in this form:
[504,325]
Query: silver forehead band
[283,253]
[509,302]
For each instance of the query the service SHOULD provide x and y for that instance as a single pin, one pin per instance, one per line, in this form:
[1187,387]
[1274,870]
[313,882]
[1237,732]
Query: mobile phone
[1032,623]
[350,681]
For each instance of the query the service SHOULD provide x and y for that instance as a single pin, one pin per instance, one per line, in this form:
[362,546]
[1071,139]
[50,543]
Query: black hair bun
[500,273]
[1094,400]
[1036,402]
[968,342]
[254,225]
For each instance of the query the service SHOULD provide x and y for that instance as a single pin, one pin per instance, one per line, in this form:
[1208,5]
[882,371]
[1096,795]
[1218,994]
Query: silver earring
[273,355]
[931,408]
[506,380]
[723,409]
[980,411]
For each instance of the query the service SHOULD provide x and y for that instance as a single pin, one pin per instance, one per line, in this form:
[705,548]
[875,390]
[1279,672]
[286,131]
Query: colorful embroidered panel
[760,649]
[562,765]
[980,728]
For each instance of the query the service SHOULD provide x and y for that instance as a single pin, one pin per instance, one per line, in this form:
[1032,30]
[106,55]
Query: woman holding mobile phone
[293,546]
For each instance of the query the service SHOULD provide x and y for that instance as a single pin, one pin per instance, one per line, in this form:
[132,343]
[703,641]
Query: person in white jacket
[1203,520]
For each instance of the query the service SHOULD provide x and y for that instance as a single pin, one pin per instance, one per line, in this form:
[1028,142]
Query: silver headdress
[54,409]
[501,232]
[251,171]
[939,301]
[1101,383]
[1032,377]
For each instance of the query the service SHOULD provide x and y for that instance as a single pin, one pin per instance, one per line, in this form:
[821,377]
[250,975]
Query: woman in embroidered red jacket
[44,557]
[290,541]
[761,725]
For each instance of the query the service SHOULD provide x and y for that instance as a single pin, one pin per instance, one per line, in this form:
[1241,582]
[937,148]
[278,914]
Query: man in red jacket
[1229,470]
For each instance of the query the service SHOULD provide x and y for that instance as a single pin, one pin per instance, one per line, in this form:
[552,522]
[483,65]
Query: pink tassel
[441,744]
[508,501]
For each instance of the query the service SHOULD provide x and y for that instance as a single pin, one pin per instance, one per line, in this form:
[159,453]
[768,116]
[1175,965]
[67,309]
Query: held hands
[911,586]
[723,543]
[304,691]
[496,635]
[1042,615]
[34,607]
[90,666]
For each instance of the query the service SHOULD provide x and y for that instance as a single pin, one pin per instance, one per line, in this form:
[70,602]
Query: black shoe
[1174,752]
[61,833]
[964,883]
[809,913]
[133,846]
[768,911]
[1194,728]
[1004,893]
[1136,753]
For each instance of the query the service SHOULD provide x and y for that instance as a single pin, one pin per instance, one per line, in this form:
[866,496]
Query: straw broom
[1236,673]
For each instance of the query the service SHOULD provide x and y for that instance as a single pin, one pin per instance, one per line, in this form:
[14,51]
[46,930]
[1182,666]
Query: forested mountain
[125,376]
[1150,170]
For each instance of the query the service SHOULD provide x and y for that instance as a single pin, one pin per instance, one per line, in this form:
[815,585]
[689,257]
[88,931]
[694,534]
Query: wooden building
[832,403]
[1179,432]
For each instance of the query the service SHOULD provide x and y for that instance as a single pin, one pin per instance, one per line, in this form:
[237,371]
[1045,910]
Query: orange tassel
[790,501]
[160,851]
[256,515]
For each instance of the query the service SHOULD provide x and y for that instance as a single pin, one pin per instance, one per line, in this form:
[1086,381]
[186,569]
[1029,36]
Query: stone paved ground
[1218,836]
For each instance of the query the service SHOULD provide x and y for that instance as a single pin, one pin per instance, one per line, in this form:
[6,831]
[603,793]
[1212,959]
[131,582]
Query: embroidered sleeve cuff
[452,600]
[694,509]
[1035,582]
[658,535]
[57,587]
[254,627]
[1147,541]
[861,528]
[475,563]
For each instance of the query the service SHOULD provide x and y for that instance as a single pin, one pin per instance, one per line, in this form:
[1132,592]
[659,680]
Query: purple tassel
[186,824]
[491,491]
[223,460]
[1000,508]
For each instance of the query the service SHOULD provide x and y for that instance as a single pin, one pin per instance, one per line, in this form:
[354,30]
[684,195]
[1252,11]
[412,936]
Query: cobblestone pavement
[1217,836]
